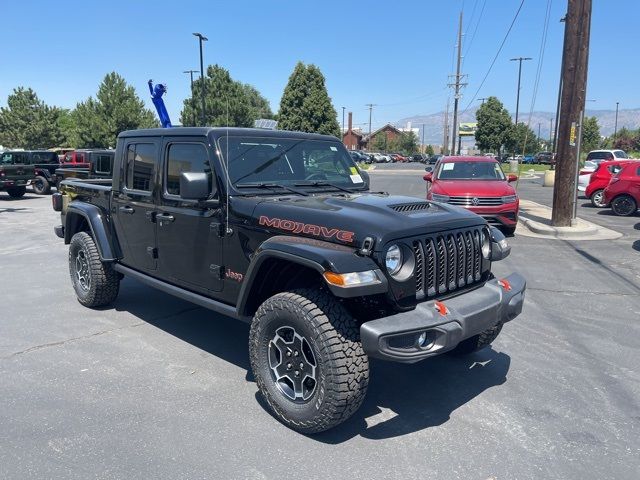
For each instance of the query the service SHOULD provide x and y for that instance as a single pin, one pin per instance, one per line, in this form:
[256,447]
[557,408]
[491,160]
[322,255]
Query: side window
[103,163]
[185,157]
[7,158]
[140,161]
[68,158]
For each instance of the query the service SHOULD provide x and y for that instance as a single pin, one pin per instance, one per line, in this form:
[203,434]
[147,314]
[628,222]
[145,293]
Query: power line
[475,30]
[504,40]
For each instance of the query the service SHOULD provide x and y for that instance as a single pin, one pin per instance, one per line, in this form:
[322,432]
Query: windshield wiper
[322,184]
[271,185]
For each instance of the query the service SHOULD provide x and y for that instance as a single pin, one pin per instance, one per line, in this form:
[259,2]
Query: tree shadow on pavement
[401,398]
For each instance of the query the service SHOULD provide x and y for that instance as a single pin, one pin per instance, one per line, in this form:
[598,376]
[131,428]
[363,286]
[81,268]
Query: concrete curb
[582,230]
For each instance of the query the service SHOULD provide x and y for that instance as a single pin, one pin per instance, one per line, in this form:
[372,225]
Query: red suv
[623,193]
[600,179]
[479,185]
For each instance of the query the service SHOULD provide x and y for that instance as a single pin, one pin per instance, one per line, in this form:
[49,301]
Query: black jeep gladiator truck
[279,229]
[15,173]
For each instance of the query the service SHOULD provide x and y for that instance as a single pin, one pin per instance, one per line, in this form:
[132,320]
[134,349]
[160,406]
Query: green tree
[227,101]
[494,123]
[305,105]
[520,138]
[590,134]
[406,143]
[429,150]
[97,122]
[27,122]
[380,143]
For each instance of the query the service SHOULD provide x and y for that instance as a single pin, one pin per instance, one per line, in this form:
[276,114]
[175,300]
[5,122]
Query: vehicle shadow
[27,196]
[12,210]
[401,398]
[636,245]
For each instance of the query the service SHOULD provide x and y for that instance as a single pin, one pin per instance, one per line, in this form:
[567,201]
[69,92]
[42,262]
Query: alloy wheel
[293,364]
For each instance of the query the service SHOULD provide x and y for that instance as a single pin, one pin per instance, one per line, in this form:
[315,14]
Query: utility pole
[551,133]
[481,99]
[554,146]
[539,131]
[615,128]
[193,110]
[519,60]
[202,38]
[370,105]
[343,108]
[457,84]
[574,83]
[423,148]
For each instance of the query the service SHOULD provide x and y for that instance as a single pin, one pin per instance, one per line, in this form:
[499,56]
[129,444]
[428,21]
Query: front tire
[624,205]
[41,186]
[307,360]
[597,199]
[16,192]
[96,283]
[478,342]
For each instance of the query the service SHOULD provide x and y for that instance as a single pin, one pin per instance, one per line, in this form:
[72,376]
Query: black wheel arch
[82,216]
[285,262]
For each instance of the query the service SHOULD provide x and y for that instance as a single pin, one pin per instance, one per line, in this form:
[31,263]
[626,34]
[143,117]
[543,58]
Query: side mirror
[194,186]
[512,177]
[365,176]
[428,177]
[428,169]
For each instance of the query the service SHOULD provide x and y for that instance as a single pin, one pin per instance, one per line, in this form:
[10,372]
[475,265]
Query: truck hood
[474,188]
[349,219]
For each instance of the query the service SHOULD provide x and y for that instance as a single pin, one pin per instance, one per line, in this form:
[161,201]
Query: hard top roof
[222,131]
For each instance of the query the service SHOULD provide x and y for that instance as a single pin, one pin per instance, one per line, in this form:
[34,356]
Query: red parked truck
[477,184]
[623,193]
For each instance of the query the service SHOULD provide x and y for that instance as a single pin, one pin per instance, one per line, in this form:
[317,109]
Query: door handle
[128,210]
[164,217]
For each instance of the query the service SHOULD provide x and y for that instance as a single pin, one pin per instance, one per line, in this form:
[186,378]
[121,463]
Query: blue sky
[395,54]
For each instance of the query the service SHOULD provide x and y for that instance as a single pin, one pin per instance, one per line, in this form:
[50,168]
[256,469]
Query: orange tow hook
[441,308]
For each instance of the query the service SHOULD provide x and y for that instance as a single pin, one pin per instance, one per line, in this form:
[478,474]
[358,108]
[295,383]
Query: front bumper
[395,337]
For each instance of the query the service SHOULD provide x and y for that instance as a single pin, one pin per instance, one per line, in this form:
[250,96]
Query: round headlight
[486,245]
[393,260]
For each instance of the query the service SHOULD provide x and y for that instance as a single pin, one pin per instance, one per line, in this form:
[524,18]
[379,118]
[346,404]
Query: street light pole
[343,108]
[193,110]
[519,60]
[202,38]
[615,128]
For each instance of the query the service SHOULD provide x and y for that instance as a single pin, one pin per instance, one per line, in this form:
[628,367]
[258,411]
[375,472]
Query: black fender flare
[100,226]
[318,255]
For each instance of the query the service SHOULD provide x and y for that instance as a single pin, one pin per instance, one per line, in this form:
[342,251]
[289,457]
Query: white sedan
[585,174]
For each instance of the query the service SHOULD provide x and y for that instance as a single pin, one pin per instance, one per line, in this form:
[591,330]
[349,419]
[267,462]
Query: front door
[189,242]
[134,205]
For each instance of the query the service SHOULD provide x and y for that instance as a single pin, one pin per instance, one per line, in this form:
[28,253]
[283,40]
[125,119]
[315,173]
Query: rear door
[133,206]
[189,242]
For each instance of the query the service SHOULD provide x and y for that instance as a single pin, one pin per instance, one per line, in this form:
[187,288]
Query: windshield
[470,171]
[288,161]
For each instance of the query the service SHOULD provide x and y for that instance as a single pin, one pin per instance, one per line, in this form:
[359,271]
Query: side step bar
[187,295]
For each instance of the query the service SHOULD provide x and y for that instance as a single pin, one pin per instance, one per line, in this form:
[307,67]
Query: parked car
[528,159]
[327,274]
[602,155]
[15,173]
[623,191]
[357,156]
[418,157]
[477,184]
[77,158]
[584,174]
[600,178]
[433,159]
[544,158]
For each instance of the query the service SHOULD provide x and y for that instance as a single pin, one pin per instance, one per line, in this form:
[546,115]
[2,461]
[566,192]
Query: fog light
[422,339]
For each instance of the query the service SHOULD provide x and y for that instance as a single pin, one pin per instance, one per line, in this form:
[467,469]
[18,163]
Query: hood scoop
[409,208]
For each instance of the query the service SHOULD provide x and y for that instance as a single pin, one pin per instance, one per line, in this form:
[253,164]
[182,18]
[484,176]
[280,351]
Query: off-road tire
[41,185]
[342,370]
[477,342]
[597,199]
[16,192]
[104,282]
[624,205]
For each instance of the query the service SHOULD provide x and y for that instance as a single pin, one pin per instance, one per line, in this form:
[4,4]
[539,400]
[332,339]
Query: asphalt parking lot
[155,387]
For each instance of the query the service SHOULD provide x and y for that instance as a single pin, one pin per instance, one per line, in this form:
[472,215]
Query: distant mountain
[434,122]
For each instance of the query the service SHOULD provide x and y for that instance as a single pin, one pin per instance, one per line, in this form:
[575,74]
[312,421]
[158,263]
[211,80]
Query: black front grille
[448,261]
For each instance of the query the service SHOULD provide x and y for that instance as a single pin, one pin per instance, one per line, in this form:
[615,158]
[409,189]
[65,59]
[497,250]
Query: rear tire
[16,192]
[478,342]
[624,205]
[41,186]
[96,283]
[308,329]
[597,199]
